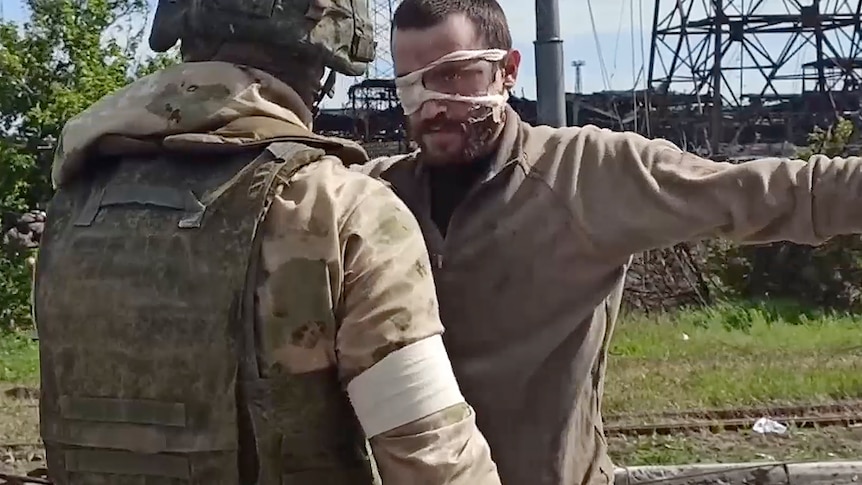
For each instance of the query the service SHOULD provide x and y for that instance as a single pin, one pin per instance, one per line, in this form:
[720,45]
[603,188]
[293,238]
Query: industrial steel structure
[381,17]
[719,75]
[372,113]
[730,72]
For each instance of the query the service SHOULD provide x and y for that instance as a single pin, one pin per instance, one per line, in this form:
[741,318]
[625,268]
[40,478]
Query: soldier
[215,289]
[531,231]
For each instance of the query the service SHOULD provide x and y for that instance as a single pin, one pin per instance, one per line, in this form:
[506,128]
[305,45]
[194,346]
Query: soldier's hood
[189,106]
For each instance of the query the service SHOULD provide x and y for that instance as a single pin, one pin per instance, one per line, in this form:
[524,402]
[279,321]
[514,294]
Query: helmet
[339,31]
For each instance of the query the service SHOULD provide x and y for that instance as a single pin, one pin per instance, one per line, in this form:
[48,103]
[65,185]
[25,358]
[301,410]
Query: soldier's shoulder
[345,186]
[377,166]
[362,201]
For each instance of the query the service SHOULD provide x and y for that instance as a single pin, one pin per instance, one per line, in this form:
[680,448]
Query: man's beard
[476,135]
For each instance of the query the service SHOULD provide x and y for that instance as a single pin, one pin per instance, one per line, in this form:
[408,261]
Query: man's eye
[472,74]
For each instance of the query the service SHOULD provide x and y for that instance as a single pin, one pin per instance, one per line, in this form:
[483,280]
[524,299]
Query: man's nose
[430,109]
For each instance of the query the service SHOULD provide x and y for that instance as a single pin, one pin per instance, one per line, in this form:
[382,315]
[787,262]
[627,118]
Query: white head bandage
[412,92]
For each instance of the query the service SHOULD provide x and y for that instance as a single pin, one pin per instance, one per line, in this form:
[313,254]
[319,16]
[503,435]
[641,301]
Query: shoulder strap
[285,158]
[294,154]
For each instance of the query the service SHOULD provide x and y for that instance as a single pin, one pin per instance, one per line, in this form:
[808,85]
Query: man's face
[452,131]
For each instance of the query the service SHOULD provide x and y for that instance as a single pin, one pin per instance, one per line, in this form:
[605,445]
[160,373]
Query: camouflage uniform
[530,273]
[379,286]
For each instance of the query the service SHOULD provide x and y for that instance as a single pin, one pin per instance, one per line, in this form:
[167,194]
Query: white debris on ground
[768,426]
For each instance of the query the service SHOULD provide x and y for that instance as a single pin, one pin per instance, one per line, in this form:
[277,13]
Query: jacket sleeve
[632,194]
[389,302]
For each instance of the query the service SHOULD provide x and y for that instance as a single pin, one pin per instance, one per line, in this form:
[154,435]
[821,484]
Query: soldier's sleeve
[391,356]
[632,194]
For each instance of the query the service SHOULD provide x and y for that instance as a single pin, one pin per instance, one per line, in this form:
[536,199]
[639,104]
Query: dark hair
[486,15]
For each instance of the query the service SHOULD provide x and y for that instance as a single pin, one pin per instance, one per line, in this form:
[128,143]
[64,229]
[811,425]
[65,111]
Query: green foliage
[15,278]
[831,142]
[827,276]
[19,358]
[65,57]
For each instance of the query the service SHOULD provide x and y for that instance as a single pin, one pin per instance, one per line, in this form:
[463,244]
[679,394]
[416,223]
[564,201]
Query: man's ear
[512,64]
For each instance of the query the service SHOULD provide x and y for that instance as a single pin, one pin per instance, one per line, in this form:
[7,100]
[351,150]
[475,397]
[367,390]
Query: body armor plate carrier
[148,342]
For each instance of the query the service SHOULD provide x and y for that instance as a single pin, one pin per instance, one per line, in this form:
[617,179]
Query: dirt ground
[20,452]
[19,430]
[808,444]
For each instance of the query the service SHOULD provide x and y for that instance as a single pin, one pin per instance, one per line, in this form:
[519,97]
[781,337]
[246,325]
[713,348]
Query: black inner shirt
[449,187]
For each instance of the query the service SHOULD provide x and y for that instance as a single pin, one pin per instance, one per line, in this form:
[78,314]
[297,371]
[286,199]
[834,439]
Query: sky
[618,40]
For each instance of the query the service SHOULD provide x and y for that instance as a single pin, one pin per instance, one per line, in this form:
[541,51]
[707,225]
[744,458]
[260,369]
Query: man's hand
[22,232]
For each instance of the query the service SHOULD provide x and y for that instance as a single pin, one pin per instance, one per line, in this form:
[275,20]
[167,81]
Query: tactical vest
[144,303]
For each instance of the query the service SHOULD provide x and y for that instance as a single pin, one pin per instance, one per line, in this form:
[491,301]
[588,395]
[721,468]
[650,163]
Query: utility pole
[579,88]
[717,118]
[550,76]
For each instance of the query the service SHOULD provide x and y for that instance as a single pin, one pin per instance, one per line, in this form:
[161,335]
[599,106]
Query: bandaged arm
[391,357]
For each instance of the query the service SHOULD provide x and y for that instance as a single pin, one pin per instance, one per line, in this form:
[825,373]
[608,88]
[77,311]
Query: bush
[15,278]
[826,276]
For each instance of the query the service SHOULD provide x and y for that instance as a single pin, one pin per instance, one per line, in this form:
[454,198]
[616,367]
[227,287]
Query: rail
[845,413]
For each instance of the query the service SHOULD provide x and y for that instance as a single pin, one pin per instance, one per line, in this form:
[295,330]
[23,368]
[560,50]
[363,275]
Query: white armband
[409,384]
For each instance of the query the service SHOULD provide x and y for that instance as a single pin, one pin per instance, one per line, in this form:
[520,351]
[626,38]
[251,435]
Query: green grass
[19,359]
[733,355]
[19,416]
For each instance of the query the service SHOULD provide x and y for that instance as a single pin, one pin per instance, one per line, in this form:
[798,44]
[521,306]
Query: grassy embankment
[733,356]
[727,356]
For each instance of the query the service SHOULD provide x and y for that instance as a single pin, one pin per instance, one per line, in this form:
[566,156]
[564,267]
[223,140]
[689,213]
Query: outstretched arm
[632,194]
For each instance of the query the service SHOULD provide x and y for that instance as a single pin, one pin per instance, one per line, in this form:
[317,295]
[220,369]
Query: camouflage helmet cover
[339,31]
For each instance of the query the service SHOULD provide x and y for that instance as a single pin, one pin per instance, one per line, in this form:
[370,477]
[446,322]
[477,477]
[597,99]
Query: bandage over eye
[451,78]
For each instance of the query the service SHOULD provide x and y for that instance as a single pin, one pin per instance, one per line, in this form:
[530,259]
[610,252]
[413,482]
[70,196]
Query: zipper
[437,260]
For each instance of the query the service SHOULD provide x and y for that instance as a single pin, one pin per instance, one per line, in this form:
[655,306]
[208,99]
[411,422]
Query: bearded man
[531,231]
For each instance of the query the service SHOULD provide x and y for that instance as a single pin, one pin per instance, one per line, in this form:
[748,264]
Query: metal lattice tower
[373,102]
[724,66]
[381,16]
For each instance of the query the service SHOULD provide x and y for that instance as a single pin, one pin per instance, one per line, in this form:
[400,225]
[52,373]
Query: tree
[67,55]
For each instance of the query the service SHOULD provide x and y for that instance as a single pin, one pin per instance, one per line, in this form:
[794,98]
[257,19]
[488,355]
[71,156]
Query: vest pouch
[308,431]
[97,466]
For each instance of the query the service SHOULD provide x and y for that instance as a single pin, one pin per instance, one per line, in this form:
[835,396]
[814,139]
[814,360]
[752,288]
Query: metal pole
[550,77]
[717,117]
[579,88]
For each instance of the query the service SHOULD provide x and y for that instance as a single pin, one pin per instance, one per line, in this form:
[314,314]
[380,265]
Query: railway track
[844,413]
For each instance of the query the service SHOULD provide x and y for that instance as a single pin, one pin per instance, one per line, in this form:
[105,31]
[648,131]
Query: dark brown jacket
[530,274]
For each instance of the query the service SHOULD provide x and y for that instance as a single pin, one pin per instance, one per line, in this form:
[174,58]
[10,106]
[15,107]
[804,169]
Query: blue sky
[622,34]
